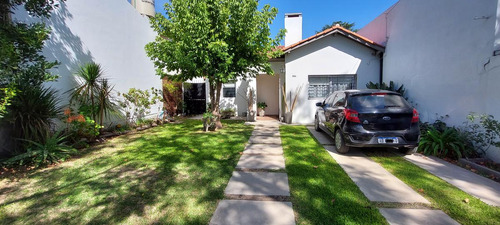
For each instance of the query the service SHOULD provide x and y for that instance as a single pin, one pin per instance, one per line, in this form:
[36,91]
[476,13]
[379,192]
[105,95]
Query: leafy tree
[346,25]
[22,65]
[221,40]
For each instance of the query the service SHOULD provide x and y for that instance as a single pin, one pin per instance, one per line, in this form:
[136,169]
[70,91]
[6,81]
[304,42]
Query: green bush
[52,150]
[391,87]
[227,113]
[483,131]
[445,143]
[31,114]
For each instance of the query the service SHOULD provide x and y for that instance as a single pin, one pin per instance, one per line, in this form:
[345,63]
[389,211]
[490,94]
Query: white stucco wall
[111,33]
[331,55]
[442,51]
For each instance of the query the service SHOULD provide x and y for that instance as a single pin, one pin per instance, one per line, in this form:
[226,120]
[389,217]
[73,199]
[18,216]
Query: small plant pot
[251,116]
[288,117]
[262,112]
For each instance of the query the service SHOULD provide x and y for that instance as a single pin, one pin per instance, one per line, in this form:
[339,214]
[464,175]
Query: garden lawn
[321,191]
[441,194]
[172,174]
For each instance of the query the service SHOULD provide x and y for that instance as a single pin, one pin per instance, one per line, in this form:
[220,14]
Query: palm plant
[88,88]
[105,100]
[32,111]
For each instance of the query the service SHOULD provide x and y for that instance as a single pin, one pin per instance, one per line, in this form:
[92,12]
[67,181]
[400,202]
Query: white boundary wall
[111,33]
[442,51]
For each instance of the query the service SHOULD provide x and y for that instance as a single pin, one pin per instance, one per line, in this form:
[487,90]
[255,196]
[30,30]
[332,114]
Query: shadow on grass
[171,174]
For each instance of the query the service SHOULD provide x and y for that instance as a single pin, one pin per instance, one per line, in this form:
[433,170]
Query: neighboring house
[446,53]
[111,33]
[335,59]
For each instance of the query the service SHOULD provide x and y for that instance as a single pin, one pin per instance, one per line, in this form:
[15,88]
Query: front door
[195,98]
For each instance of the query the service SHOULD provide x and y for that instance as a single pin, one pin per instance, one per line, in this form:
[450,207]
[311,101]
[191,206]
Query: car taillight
[352,115]
[415,117]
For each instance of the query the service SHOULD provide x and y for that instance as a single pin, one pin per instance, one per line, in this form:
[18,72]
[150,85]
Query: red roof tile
[331,29]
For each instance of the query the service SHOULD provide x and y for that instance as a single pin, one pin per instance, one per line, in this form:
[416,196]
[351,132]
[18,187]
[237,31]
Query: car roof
[369,91]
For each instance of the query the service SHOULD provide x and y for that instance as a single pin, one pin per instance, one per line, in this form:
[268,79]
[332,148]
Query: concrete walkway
[257,193]
[378,185]
[483,188]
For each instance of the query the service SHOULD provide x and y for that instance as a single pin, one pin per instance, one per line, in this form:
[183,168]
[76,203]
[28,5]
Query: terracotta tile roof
[329,30]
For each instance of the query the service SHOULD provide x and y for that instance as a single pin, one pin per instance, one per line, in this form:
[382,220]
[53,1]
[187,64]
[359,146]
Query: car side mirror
[319,104]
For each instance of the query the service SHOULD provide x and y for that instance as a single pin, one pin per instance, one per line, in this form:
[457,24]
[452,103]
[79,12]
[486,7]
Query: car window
[329,101]
[340,101]
[361,102]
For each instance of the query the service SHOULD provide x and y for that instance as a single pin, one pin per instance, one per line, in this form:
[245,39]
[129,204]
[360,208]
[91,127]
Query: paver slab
[266,132]
[322,138]
[265,140]
[261,162]
[258,183]
[416,217]
[485,189]
[244,212]
[267,149]
[376,183]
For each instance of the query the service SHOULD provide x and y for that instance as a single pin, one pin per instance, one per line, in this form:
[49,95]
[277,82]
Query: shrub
[392,87]
[52,150]
[137,103]
[483,131]
[227,113]
[208,121]
[261,105]
[445,143]
[31,114]
[80,125]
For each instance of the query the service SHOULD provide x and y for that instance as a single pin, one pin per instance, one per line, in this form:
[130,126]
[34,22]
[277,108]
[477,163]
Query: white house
[446,53]
[334,59]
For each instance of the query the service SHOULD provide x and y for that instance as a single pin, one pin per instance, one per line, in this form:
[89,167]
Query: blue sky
[317,13]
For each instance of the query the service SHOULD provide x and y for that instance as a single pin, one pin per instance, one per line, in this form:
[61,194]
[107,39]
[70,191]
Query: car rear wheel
[316,124]
[339,143]
[408,151]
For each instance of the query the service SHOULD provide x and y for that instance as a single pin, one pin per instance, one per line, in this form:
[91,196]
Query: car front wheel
[339,143]
[316,124]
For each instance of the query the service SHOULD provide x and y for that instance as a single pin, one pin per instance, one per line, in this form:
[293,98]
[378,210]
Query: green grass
[441,194]
[172,174]
[322,195]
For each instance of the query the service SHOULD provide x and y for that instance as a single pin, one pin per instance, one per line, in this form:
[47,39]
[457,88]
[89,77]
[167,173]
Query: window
[340,101]
[229,90]
[322,86]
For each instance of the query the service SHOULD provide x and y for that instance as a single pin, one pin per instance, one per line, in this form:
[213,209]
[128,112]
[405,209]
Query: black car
[368,118]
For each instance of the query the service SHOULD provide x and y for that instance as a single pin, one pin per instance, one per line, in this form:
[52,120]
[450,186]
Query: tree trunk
[215,108]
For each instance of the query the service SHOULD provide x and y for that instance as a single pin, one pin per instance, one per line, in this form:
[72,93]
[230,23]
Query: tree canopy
[346,25]
[220,40]
[21,63]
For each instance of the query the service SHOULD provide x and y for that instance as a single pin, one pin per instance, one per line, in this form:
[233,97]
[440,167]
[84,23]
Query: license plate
[387,140]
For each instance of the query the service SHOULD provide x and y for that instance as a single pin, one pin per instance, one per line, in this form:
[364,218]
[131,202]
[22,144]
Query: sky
[317,13]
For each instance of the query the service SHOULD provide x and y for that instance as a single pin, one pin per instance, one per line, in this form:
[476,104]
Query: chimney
[293,26]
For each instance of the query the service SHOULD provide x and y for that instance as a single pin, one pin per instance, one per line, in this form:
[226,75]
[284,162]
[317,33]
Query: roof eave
[373,46]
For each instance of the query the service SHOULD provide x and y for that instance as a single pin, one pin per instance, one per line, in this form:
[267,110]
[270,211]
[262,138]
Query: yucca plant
[31,113]
[51,150]
[106,101]
[88,89]
[443,143]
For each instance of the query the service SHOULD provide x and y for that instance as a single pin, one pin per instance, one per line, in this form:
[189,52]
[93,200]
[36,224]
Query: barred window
[321,86]
[229,90]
